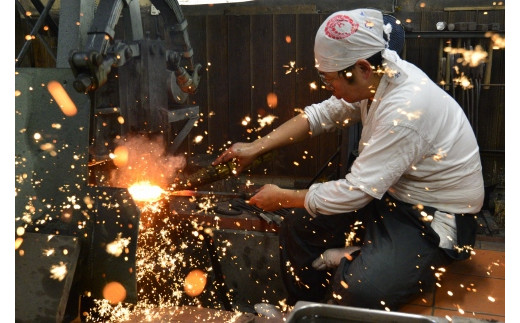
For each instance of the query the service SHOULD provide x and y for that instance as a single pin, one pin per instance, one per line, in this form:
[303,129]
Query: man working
[407,207]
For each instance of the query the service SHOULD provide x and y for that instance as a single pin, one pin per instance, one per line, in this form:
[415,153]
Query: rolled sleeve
[335,197]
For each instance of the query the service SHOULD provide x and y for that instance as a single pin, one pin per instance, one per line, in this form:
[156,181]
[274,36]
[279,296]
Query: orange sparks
[198,139]
[272,100]
[195,282]
[114,292]
[17,243]
[120,156]
[59,271]
[266,121]
[145,192]
[62,98]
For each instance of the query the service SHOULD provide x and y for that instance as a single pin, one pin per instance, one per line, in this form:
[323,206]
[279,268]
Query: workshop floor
[470,289]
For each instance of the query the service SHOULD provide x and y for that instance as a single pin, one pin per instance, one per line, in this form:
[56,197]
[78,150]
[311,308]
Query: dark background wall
[253,49]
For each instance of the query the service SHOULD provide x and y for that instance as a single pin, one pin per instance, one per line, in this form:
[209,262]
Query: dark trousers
[398,258]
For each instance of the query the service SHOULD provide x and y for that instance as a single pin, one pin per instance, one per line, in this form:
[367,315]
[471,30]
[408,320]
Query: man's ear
[365,67]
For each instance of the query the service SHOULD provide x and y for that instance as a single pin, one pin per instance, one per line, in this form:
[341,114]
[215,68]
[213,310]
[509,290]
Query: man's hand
[332,257]
[244,153]
[270,197]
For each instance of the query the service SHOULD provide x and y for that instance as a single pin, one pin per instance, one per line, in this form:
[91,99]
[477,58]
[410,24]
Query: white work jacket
[416,145]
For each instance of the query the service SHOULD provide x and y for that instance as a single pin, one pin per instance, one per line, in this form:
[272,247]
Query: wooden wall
[248,58]
[246,53]
[249,55]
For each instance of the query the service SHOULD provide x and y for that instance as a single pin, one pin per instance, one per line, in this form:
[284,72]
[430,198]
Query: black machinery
[67,210]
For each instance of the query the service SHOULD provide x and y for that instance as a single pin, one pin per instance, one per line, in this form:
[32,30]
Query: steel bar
[192,193]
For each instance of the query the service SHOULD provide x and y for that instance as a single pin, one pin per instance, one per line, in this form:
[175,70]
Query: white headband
[347,36]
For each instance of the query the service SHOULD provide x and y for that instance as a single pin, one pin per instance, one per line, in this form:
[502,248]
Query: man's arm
[271,198]
[293,130]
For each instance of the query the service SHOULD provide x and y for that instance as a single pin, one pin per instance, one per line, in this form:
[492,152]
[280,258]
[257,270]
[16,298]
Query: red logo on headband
[340,27]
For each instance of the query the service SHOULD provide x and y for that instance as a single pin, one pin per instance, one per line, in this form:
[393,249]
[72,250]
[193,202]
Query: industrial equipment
[71,204]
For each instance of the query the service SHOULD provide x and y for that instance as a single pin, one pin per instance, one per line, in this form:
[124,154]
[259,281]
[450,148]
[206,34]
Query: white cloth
[346,36]
[416,144]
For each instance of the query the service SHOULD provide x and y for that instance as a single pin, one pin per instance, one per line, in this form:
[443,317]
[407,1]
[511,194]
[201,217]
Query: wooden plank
[305,94]
[198,40]
[261,77]
[239,82]
[284,84]
[477,8]
[217,76]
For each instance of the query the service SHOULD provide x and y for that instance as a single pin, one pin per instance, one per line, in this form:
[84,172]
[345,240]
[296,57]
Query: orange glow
[145,192]
[17,243]
[62,98]
[120,156]
[288,39]
[195,282]
[272,100]
[114,292]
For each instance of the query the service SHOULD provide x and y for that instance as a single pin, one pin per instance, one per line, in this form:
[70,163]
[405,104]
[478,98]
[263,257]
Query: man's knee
[356,284]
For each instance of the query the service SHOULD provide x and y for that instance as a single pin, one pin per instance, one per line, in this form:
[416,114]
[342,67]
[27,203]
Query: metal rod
[21,10]
[34,31]
[192,193]
[449,34]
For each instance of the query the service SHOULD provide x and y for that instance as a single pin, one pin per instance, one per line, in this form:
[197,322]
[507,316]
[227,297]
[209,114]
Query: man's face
[351,86]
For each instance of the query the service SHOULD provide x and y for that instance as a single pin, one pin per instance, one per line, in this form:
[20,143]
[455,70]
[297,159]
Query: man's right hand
[332,257]
[243,153]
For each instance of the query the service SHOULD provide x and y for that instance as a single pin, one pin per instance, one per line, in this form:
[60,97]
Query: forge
[114,116]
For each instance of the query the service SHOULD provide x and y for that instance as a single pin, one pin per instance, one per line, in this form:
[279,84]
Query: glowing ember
[20,231]
[292,67]
[114,292]
[117,246]
[145,192]
[246,121]
[62,98]
[120,156]
[267,120]
[17,243]
[198,139]
[498,41]
[59,271]
[195,282]
[272,100]
[48,252]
